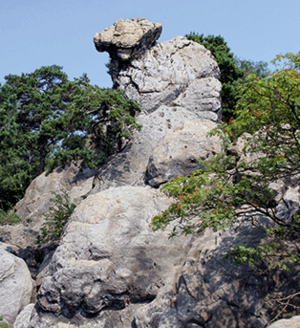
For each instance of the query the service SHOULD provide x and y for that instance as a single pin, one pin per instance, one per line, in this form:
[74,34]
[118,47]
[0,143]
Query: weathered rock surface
[24,317]
[173,81]
[179,151]
[109,256]
[130,35]
[180,73]
[127,39]
[111,269]
[16,285]
[36,202]
[107,318]
[129,167]
[211,292]
[293,322]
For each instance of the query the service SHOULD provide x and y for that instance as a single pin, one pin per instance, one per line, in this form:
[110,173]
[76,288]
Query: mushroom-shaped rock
[127,38]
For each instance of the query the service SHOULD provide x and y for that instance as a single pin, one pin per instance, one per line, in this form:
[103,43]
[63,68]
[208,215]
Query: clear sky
[37,33]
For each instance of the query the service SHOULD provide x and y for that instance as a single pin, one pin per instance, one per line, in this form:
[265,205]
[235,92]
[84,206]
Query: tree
[231,73]
[47,120]
[231,191]
[260,69]
[234,71]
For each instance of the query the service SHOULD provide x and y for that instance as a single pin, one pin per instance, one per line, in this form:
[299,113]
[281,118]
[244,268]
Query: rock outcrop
[127,39]
[180,150]
[174,81]
[109,256]
[110,269]
[35,203]
[16,284]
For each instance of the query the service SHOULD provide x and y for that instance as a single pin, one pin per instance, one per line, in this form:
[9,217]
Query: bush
[9,219]
[230,192]
[56,217]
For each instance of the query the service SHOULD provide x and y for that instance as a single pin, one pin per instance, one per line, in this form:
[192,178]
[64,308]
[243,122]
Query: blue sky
[37,33]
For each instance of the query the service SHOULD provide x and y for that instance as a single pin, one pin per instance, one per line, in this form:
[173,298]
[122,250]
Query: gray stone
[127,39]
[16,286]
[179,151]
[23,319]
[211,292]
[106,318]
[36,202]
[128,34]
[109,256]
[179,72]
[293,322]
[129,167]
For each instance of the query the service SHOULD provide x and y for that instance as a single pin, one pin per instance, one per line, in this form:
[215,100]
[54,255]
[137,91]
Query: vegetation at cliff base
[47,120]
[235,190]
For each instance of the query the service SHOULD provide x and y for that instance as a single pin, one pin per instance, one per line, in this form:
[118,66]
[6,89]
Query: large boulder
[36,202]
[16,285]
[109,256]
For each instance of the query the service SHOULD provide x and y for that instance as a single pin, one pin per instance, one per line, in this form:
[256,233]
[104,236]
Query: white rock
[16,286]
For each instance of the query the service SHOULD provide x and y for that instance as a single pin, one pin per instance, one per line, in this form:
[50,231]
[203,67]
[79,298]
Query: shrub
[56,217]
[8,218]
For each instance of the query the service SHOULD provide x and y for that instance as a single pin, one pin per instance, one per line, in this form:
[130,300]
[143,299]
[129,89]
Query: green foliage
[260,69]
[47,120]
[231,73]
[230,192]
[234,71]
[9,218]
[56,217]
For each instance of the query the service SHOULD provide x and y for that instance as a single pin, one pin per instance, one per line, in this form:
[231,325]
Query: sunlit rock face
[127,39]
[16,285]
[173,81]
[110,268]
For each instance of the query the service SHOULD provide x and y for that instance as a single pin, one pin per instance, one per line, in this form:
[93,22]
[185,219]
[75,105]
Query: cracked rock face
[173,81]
[178,72]
[175,73]
[111,269]
[109,256]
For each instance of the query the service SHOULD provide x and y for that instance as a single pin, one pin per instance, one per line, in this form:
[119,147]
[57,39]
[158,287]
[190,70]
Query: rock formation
[110,269]
[15,284]
[127,39]
[174,81]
